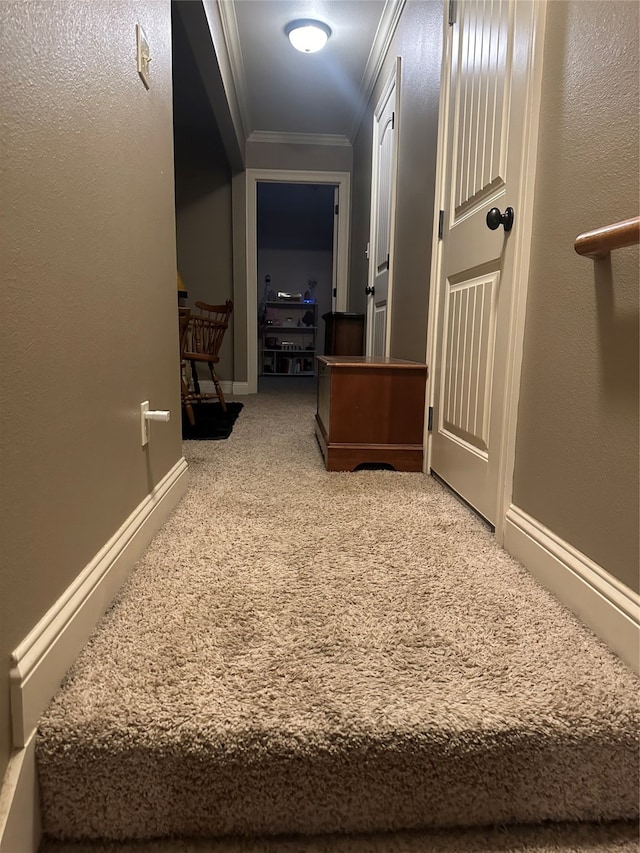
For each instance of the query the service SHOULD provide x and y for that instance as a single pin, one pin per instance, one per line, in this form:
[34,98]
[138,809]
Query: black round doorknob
[369,290]
[495,219]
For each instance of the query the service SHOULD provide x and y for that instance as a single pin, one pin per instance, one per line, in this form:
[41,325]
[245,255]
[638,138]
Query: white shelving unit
[288,337]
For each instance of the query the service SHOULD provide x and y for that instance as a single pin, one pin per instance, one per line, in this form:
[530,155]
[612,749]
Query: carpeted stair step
[304,652]
[617,837]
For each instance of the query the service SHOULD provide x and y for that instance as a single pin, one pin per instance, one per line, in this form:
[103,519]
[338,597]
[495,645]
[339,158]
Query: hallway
[304,652]
[102,202]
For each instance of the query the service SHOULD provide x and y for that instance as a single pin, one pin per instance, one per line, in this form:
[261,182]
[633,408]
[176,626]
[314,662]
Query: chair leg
[189,410]
[184,388]
[194,373]
[218,388]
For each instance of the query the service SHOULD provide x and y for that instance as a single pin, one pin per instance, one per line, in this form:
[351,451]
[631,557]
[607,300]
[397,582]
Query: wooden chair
[201,337]
[184,315]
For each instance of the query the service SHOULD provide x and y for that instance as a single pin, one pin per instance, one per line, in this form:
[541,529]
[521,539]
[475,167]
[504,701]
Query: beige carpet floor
[305,652]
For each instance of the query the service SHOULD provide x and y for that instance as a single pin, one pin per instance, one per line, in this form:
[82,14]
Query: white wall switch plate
[144,56]
[144,423]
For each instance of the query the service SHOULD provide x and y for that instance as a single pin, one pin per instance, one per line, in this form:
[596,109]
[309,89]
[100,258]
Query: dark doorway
[295,228]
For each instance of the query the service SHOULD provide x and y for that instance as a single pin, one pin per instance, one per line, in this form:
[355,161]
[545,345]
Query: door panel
[382,206]
[490,46]
[385,163]
[466,375]
[384,141]
[481,100]
[379,328]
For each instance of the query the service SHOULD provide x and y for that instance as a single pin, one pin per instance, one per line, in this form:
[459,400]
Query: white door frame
[392,80]
[523,236]
[334,259]
[254,176]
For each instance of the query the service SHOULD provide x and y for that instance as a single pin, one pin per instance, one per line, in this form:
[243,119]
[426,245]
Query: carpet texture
[212,423]
[306,652]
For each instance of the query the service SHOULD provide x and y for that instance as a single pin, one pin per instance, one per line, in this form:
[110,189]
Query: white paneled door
[382,217]
[487,78]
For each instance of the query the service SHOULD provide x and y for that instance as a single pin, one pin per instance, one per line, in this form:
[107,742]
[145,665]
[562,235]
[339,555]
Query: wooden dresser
[371,410]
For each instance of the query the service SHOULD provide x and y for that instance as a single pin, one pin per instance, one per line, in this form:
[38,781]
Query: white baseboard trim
[20,826]
[228,387]
[44,656]
[599,600]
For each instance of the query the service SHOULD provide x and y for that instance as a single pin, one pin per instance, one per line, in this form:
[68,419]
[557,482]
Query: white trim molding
[231,37]
[42,659]
[436,244]
[523,243]
[379,49]
[234,389]
[600,601]
[20,825]
[253,177]
[299,138]
[382,39]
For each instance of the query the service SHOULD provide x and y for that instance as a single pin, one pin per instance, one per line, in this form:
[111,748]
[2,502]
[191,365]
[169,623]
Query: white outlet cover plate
[144,56]
[144,423]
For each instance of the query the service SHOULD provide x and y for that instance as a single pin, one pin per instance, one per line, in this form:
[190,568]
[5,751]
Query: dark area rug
[212,423]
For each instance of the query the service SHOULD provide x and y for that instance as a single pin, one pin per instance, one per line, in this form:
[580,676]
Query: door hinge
[452,12]
[441,225]
[335,292]
[336,209]
[393,120]
[387,260]
[430,419]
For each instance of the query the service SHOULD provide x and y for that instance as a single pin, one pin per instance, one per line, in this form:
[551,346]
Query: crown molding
[381,43]
[299,138]
[382,40]
[231,36]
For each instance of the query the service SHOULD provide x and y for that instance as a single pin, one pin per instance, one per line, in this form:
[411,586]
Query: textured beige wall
[88,324]
[418,41]
[577,446]
[203,232]
[280,155]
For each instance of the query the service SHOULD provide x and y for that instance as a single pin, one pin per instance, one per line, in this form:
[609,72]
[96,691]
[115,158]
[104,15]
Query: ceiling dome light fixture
[308,36]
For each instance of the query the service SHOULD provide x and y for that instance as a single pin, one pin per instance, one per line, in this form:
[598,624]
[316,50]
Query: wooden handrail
[601,241]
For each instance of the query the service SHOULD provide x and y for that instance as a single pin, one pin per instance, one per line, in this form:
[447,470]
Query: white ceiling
[283,93]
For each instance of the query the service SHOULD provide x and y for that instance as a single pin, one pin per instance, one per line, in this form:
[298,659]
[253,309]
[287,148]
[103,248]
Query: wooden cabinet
[344,333]
[288,335]
[371,410]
